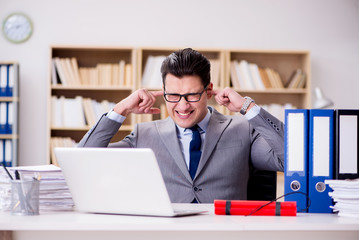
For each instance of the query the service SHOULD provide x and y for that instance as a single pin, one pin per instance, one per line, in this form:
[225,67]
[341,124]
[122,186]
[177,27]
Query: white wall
[327,28]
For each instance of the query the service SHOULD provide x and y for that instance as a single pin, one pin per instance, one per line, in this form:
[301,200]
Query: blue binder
[3,117]
[10,80]
[3,80]
[321,155]
[296,156]
[9,117]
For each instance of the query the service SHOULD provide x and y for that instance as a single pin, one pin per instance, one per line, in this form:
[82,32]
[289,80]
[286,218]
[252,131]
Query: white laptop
[117,181]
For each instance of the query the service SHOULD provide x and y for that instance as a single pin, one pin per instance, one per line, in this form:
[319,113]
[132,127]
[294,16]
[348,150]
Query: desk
[76,225]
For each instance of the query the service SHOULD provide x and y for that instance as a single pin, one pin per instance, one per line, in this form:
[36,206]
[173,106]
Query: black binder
[346,144]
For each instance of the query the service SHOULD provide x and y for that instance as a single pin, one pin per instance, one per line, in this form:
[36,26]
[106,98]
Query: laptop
[117,181]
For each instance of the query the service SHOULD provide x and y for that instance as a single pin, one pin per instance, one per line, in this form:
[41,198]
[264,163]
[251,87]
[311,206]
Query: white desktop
[76,225]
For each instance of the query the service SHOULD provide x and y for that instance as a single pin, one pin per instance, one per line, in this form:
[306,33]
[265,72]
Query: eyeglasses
[190,97]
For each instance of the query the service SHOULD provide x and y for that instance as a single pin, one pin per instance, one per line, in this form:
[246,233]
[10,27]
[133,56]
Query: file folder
[321,155]
[3,79]
[296,156]
[8,156]
[10,80]
[3,117]
[10,117]
[346,144]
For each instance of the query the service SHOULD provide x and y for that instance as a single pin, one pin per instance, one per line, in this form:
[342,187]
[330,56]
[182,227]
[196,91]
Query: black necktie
[194,151]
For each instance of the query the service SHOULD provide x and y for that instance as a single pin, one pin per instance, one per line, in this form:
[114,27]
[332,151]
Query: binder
[3,79]
[296,156]
[321,155]
[10,117]
[10,83]
[8,148]
[3,117]
[2,151]
[346,144]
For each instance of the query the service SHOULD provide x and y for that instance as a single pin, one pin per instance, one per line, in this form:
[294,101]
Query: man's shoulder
[222,117]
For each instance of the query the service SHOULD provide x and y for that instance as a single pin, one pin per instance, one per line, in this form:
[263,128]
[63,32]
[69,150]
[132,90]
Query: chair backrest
[262,185]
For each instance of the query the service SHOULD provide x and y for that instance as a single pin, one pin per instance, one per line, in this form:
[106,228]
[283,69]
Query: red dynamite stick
[253,204]
[261,212]
[241,207]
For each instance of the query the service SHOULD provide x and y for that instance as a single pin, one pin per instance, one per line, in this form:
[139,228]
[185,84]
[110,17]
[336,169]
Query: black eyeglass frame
[185,96]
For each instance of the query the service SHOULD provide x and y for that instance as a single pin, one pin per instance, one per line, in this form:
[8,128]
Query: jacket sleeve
[267,151]
[101,134]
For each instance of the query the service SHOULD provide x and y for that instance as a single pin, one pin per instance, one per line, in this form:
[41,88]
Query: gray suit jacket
[232,143]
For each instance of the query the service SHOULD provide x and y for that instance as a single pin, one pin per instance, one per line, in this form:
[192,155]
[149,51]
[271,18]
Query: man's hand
[230,99]
[139,102]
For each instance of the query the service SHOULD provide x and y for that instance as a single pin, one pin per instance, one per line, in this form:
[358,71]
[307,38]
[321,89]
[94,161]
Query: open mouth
[184,115]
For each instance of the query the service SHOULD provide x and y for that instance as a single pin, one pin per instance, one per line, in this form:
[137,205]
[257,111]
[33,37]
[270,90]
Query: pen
[20,191]
[17,175]
[8,172]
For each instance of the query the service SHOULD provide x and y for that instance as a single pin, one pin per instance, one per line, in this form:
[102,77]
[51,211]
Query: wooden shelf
[9,136]
[90,88]
[86,128]
[283,61]
[275,91]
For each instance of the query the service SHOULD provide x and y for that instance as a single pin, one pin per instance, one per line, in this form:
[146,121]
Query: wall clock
[17,28]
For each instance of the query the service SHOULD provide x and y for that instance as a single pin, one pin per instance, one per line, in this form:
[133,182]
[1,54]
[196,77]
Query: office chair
[262,185]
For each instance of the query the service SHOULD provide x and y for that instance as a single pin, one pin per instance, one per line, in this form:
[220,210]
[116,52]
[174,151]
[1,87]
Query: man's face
[186,114]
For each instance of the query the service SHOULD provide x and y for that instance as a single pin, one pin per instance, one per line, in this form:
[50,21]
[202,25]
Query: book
[255,76]
[234,76]
[296,80]
[128,75]
[215,72]
[73,114]
[245,74]
[267,84]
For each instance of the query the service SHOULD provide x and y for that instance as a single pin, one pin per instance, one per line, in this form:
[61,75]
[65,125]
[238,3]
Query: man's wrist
[252,111]
[116,116]
[120,110]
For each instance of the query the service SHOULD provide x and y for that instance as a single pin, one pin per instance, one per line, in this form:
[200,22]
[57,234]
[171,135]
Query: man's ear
[209,90]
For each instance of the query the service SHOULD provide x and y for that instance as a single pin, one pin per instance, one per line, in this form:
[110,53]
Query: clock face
[17,28]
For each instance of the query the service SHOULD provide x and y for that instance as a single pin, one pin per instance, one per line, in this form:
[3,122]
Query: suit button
[195,189]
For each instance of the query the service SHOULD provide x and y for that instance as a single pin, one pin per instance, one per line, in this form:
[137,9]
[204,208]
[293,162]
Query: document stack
[54,192]
[345,195]
[5,190]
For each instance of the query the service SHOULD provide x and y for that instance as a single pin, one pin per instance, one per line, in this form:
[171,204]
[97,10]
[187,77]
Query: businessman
[203,155]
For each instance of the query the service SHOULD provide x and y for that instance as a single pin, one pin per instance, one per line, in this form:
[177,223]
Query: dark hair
[187,62]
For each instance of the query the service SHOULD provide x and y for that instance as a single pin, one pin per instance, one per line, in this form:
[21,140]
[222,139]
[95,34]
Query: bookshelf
[282,62]
[9,114]
[100,64]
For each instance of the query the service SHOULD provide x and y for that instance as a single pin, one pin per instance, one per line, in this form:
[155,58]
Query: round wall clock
[17,28]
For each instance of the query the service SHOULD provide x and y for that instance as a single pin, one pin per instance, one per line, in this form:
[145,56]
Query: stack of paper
[345,196]
[54,192]
[5,190]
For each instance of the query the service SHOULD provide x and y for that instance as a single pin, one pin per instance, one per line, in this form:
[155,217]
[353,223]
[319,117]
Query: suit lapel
[168,135]
[217,124]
